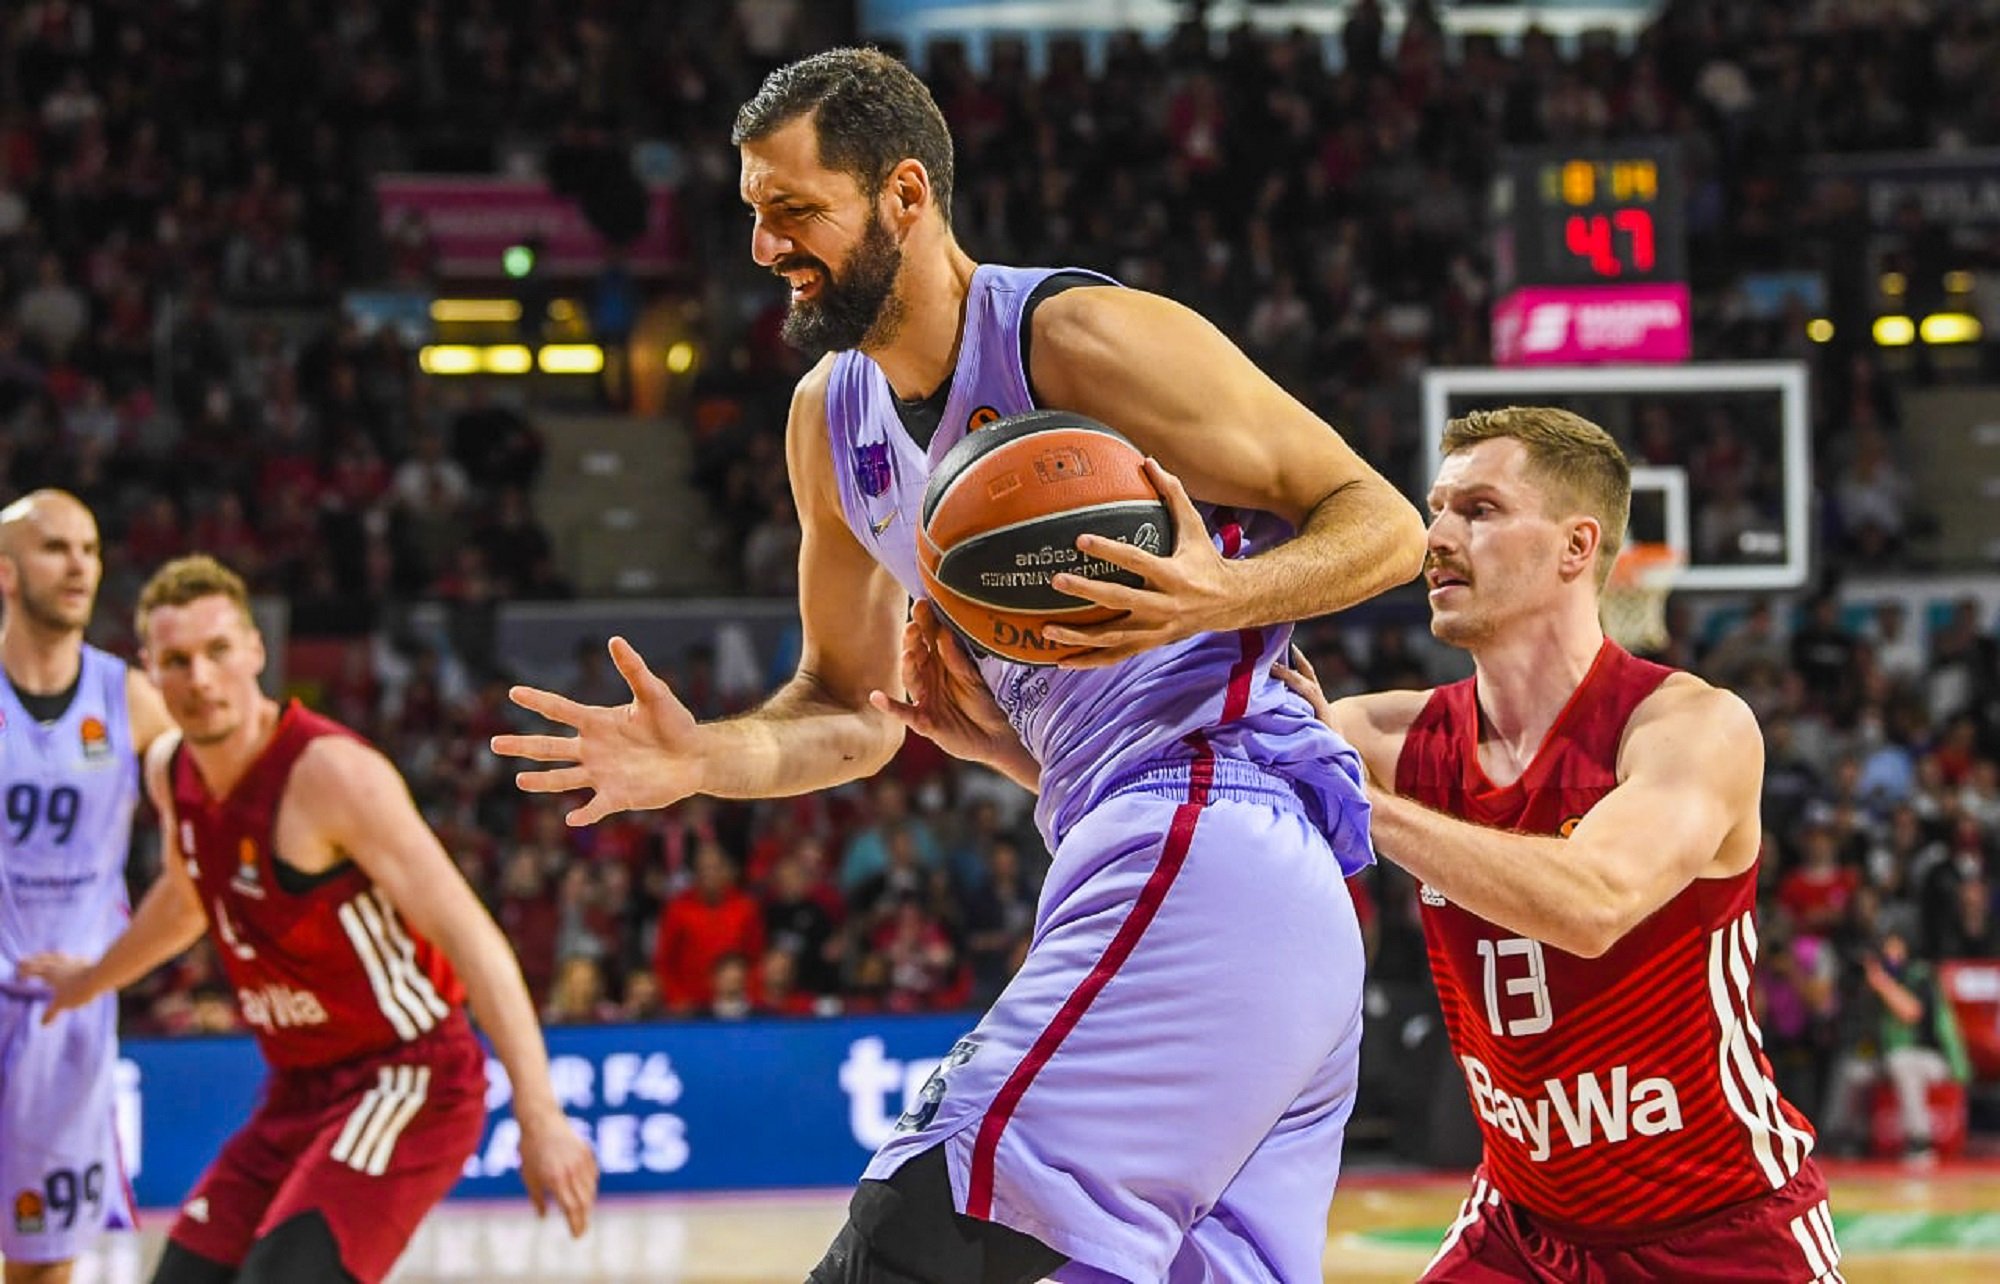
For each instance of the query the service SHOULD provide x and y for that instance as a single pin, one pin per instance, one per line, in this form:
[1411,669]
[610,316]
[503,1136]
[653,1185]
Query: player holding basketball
[1161,1091]
[296,845]
[73,722]
[1585,826]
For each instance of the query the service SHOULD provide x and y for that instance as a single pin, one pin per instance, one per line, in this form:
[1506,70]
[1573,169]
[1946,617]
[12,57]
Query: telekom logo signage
[1577,325]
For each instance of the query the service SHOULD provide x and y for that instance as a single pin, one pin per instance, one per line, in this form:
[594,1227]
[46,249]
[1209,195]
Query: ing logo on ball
[1061,464]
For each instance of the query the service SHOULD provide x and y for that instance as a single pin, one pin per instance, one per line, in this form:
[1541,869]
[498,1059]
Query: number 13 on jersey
[1526,977]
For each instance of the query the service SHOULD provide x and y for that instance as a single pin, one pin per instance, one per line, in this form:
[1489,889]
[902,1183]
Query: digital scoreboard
[1590,254]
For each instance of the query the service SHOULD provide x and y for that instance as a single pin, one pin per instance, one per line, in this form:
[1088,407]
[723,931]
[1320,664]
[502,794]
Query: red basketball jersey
[324,969]
[1627,1091]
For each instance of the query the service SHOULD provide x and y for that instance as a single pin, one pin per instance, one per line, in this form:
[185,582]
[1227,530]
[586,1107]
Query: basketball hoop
[1634,605]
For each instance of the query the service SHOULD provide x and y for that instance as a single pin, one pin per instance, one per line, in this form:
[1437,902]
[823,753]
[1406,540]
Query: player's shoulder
[1388,712]
[809,393]
[336,778]
[1687,711]
[158,759]
[1080,319]
[1378,723]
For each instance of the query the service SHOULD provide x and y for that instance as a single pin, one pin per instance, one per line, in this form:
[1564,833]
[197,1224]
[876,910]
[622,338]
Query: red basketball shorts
[370,1145]
[1785,1237]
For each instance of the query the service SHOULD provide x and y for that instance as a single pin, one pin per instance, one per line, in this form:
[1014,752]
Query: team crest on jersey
[96,739]
[30,1215]
[872,472]
[248,880]
[981,417]
[1431,896]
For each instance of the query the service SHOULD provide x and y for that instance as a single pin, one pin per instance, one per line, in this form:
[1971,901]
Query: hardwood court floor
[1938,1227]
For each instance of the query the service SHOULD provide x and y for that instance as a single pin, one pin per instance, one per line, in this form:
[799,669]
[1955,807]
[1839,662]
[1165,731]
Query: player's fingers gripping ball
[1001,517]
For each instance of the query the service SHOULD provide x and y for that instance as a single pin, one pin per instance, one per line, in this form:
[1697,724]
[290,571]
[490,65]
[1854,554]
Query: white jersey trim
[1780,1148]
[402,991]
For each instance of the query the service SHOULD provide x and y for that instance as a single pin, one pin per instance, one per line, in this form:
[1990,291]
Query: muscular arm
[1186,395]
[347,796]
[819,729]
[1690,771]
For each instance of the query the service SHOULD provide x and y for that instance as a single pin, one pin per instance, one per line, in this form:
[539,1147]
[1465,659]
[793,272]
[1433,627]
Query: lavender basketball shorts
[59,1169]
[1161,1093]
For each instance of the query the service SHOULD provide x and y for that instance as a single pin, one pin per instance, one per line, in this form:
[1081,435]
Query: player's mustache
[798,261]
[1434,563]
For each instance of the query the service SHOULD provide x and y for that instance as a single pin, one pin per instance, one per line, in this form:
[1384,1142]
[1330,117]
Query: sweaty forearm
[168,921]
[1527,883]
[797,741]
[1359,541]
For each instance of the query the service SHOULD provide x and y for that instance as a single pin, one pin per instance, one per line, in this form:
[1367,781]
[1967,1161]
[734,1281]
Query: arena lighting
[517,261]
[1950,327]
[1894,283]
[1959,282]
[1895,332]
[562,310]
[1819,330]
[448,311]
[680,357]
[448,359]
[507,359]
[571,358]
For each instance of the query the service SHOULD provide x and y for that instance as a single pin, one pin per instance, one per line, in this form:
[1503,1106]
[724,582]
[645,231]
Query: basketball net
[1634,604]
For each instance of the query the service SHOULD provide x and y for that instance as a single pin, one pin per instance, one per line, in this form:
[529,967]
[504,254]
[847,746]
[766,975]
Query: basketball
[1001,517]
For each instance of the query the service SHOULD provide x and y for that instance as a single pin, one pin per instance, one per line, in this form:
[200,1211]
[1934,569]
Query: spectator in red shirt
[922,963]
[701,926]
[1818,892]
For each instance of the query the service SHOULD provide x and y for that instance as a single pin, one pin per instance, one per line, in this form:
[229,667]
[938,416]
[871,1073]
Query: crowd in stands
[183,195]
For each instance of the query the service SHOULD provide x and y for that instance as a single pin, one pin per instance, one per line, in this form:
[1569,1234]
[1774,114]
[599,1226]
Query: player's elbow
[1602,919]
[1392,535]
[1405,536]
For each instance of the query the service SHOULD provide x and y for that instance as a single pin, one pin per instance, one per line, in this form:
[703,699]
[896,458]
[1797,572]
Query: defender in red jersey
[345,929]
[1585,826]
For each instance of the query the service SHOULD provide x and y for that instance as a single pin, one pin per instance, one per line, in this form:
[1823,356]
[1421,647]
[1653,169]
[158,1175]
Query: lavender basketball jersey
[1091,729]
[68,789]
[1161,1090]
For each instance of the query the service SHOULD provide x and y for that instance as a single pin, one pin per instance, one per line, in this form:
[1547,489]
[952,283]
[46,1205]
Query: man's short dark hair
[870,113]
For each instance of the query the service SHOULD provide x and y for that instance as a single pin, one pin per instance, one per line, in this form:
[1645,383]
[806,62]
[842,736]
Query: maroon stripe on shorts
[1250,641]
[1180,834]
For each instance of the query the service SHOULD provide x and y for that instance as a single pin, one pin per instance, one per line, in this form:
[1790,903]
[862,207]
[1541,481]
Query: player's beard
[858,308]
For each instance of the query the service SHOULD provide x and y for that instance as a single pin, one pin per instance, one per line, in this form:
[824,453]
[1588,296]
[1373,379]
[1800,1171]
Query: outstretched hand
[1181,595]
[947,701]
[646,753]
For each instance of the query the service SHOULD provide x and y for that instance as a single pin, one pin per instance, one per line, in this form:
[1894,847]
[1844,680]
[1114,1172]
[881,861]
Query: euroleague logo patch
[248,881]
[1568,827]
[30,1216]
[981,417]
[96,739]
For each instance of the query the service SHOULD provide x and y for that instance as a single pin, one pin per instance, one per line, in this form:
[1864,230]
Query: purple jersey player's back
[1091,729]
[68,789]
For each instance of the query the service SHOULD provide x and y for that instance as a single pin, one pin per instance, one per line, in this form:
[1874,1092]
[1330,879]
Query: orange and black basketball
[1001,517]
